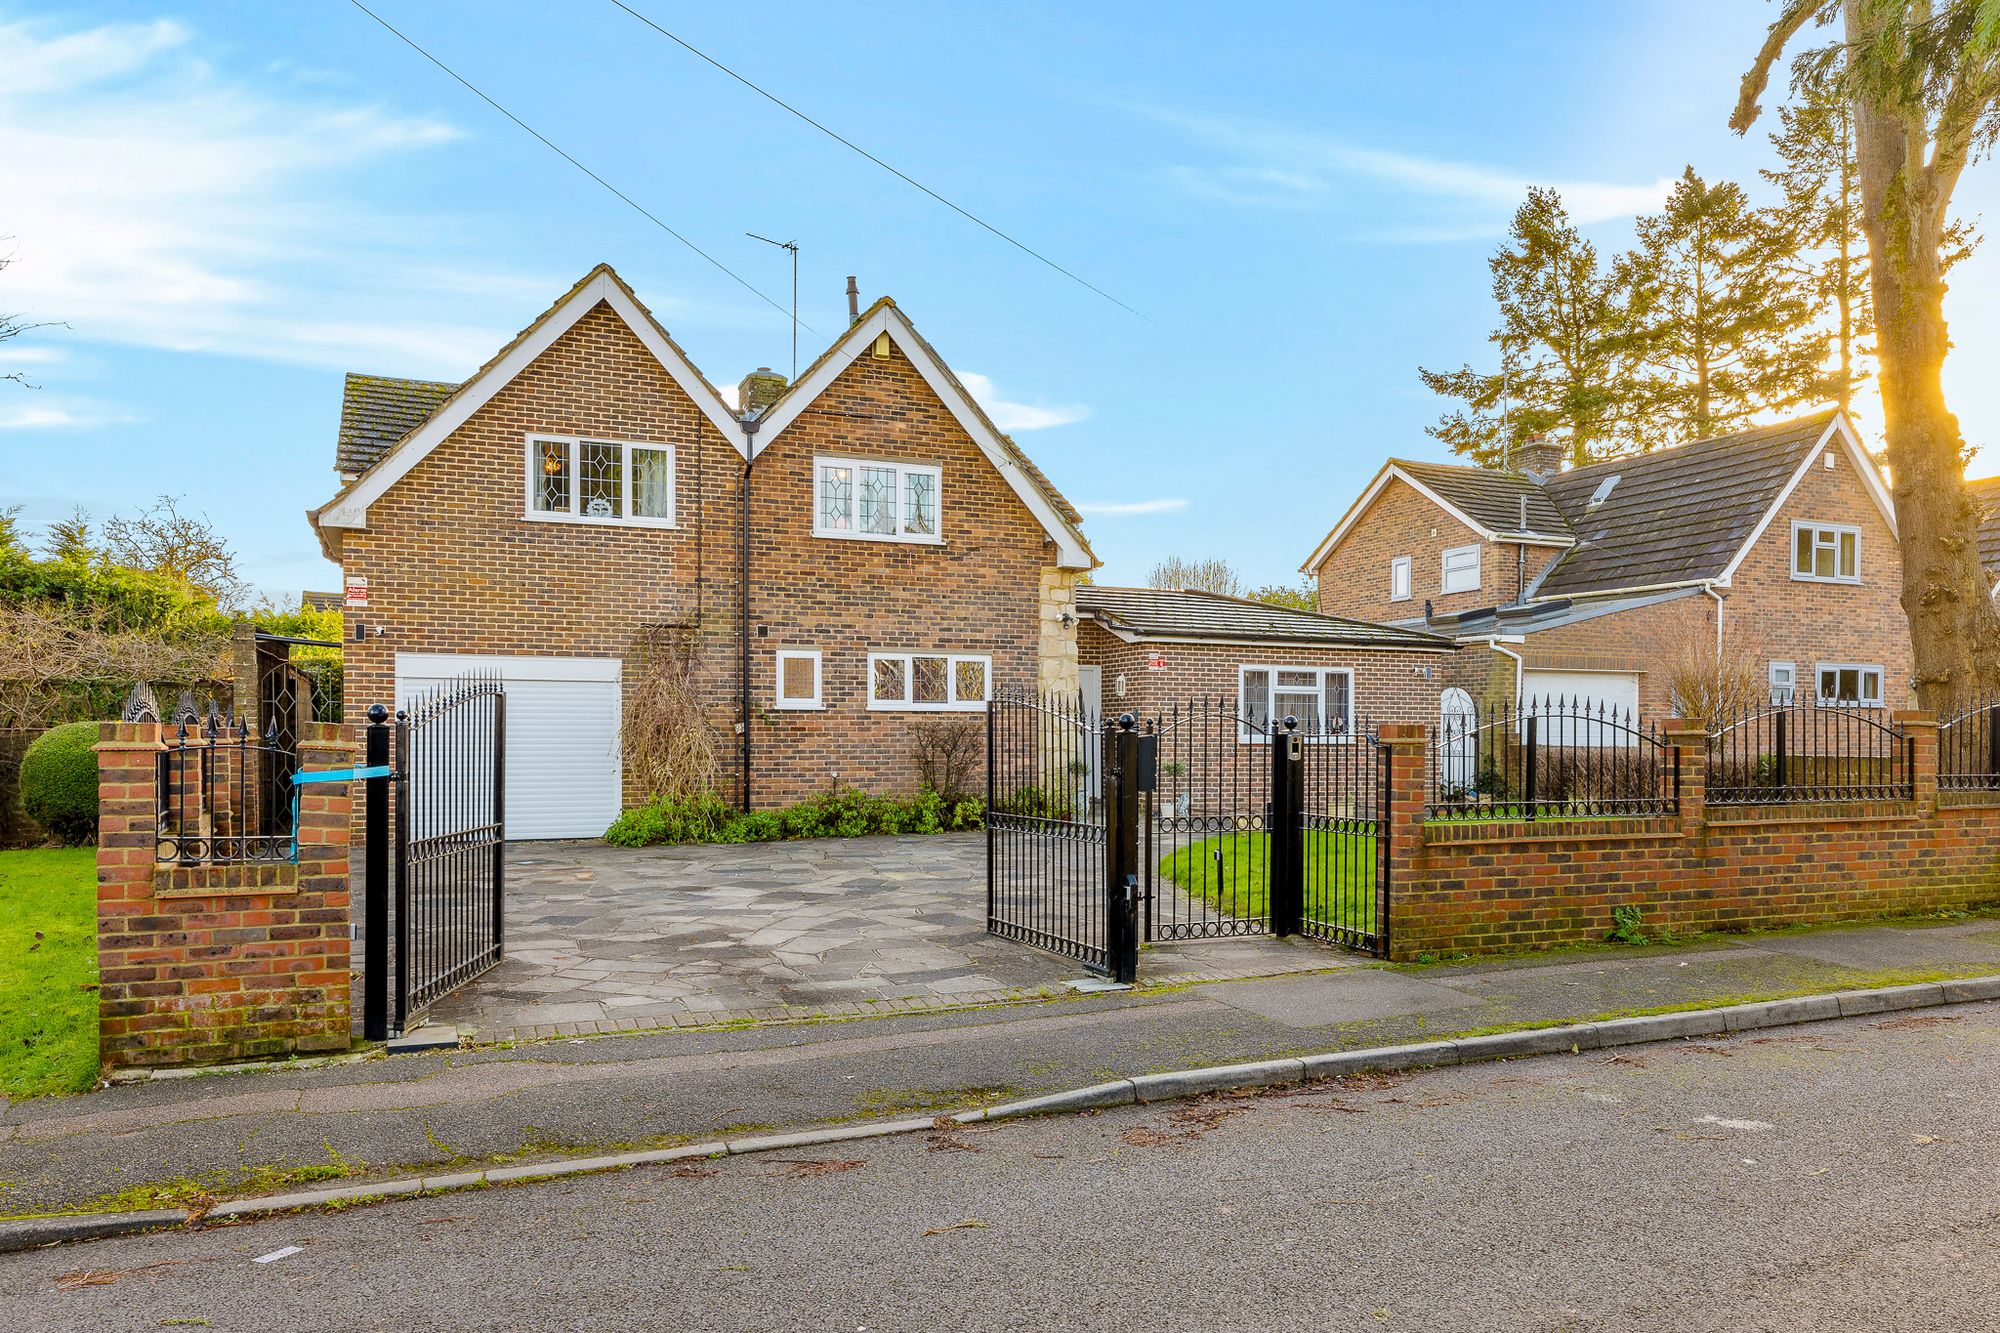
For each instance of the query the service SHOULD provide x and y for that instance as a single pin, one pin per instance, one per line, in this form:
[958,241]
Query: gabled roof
[1486,501]
[1491,498]
[1684,514]
[600,286]
[1140,615]
[1057,516]
[378,410]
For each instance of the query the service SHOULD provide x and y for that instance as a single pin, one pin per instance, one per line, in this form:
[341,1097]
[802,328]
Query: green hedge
[59,782]
[838,814]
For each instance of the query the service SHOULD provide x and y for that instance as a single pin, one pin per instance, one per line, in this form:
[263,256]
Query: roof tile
[1180,613]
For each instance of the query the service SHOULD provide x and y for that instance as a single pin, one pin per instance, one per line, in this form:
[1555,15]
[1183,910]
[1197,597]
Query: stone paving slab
[612,939]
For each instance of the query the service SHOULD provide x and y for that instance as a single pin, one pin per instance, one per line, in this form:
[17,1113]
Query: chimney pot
[853,302]
[759,389]
[1538,458]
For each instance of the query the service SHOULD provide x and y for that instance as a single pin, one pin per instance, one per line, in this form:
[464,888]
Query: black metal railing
[1969,747]
[1550,759]
[1046,849]
[1342,798]
[224,795]
[1803,749]
[1205,845]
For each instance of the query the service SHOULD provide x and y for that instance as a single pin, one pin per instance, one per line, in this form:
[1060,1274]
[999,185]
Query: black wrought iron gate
[1199,824]
[449,848]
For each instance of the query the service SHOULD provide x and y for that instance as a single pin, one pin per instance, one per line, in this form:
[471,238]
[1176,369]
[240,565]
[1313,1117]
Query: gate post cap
[377,714]
[1126,722]
[1290,723]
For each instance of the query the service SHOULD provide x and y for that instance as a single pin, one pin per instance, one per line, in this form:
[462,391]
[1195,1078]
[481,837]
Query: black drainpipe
[743,600]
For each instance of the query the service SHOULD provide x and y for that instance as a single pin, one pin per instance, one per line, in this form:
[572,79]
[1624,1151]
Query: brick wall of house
[454,567]
[979,592]
[209,962]
[1478,888]
[1353,580]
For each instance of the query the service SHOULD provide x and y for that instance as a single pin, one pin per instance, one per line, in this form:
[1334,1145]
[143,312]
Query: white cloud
[1126,508]
[1275,167]
[30,412]
[1010,415]
[152,200]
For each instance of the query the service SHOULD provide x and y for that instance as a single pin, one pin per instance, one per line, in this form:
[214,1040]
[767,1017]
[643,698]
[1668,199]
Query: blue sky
[231,204]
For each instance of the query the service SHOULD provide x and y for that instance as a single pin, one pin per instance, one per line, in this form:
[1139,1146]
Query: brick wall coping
[1764,816]
[1664,828]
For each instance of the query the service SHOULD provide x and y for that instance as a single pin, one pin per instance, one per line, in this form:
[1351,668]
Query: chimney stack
[853,302]
[1540,458]
[759,389]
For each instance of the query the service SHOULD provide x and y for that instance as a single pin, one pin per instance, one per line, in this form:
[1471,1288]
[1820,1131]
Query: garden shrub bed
[842,813]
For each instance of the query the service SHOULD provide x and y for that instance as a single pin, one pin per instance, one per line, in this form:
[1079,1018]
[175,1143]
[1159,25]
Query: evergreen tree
[1564,360]
[1720,329]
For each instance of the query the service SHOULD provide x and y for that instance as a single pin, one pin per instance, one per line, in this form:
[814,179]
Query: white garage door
[562,736]
[1616,693]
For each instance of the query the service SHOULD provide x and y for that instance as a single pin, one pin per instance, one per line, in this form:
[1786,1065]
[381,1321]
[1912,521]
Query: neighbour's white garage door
[1612,694]
[562,735]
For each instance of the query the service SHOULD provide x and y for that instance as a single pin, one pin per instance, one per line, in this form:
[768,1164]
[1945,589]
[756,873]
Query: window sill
[798,708]
[897,538]
[1797,577]
[583,521]
[877,706]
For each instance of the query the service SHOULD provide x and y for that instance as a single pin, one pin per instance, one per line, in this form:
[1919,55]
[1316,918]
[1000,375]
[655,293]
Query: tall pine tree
[1563,355]
[1720,329]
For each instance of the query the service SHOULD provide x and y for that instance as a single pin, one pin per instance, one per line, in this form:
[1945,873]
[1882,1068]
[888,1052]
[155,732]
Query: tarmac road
[1833,1176]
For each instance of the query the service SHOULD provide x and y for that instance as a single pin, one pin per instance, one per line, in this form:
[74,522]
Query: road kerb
[29,1233]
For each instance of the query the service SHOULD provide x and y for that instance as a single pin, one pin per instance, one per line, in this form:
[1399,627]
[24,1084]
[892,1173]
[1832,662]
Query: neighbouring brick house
[1145,650]
[1579,583]
[588,517]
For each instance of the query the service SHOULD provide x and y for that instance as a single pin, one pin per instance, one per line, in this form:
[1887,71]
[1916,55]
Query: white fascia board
[350,510]
[1864,467]
[1070,553]
[1391,471]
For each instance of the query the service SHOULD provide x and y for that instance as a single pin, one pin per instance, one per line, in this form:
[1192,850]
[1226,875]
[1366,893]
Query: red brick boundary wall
[1485,887]
[217,961]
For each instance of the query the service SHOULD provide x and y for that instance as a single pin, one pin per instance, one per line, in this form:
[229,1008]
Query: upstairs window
[1399,579]
[1460,569]
[1826,553]
[884,502]
[576,480]
[928,682]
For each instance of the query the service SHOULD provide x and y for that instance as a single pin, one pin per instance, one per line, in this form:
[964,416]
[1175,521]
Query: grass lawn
[48,971]
[1339,875]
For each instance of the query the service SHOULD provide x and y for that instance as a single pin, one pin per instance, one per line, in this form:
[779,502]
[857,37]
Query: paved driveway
[609,938]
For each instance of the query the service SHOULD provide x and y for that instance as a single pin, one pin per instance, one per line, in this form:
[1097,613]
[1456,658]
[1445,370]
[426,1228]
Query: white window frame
[1881,681]
[1401,570]
[531,454]
[903,472]
[908,705]
[1826,536]
[1249,735]
[1786,689]
[778,699]
[1444,568]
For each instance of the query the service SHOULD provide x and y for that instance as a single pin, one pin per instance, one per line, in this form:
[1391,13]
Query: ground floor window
[1784,681]
[929,682]
[1847,683]
[1321,698]
[798,678]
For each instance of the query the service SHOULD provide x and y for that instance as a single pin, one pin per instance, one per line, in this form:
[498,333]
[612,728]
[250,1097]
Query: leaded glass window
[600,481]
[928,682]
[891,680]
[968,684]
[1320,698]
[928,676]
[552,476]
[836,499]
[878,500]
[603,474]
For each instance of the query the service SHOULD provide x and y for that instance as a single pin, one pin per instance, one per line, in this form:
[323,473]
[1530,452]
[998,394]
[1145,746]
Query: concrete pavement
[1838,1175]
[185,1141]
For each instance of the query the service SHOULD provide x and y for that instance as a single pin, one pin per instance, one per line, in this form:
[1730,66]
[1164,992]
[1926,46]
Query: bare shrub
[947,751]
[669,741]
[1713,674]
[59,662]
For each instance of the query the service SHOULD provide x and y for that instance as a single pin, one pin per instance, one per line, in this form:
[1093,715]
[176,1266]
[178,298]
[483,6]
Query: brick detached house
[586,516]
[1579,583]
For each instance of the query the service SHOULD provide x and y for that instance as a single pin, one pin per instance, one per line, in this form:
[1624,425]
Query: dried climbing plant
[669,741]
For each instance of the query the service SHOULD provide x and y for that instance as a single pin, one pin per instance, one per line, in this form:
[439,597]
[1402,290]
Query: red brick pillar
[1689,737]
[204,961]
[1921,727]
[1406,751]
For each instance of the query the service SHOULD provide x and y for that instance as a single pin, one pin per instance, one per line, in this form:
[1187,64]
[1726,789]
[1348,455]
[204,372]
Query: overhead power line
[550,144]
[969,216]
